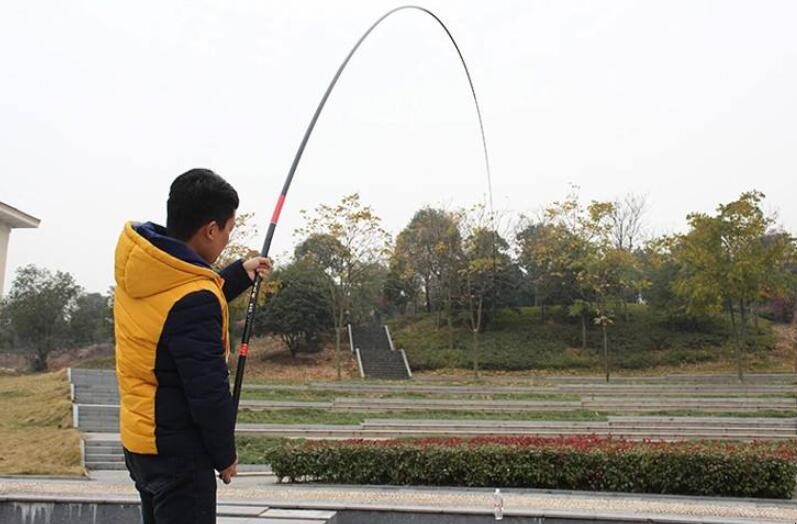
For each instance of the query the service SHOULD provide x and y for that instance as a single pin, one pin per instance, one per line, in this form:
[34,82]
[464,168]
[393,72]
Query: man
[171,330]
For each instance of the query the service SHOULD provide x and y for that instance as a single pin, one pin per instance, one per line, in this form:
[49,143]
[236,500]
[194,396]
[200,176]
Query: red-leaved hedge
[758,469]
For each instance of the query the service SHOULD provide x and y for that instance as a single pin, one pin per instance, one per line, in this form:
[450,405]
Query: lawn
[36,434]
[320,416]
[322,395]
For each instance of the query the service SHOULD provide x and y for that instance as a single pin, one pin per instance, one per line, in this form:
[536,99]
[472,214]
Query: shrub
[576,463]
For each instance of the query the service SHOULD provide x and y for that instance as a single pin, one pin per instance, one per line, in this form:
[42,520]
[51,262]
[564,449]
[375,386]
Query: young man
[171,328]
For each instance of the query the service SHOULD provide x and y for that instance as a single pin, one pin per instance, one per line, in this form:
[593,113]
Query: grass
[252,450]
[36,436]
[741,414]
[518,341]
[320,416]
[329,395]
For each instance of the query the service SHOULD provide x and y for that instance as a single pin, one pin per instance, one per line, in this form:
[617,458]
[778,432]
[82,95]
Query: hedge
[589,464]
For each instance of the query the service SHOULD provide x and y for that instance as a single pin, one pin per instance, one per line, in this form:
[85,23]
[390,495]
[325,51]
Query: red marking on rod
[278,209]
[244,350]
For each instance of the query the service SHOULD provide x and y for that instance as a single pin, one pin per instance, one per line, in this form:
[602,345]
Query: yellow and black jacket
[170,320]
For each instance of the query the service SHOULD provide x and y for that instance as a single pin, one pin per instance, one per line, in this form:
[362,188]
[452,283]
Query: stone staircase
[376,356]
[95,412]
[630,428]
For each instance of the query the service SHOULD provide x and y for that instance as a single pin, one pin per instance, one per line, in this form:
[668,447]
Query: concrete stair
[376,355]
[585,390]
[95,410]
[635,428]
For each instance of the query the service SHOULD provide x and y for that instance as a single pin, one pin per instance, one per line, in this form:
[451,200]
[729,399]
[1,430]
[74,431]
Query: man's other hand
[261,265]
[227,475]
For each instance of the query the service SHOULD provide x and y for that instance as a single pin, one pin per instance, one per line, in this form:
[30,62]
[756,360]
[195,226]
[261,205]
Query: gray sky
[103,103]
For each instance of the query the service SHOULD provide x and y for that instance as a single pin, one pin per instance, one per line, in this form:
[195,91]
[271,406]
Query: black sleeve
[194,340]
[236,280]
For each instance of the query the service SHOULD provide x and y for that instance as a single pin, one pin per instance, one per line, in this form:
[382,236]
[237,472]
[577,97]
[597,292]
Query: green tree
[344,240]
[490,278]
[91,321]
[296,309]
[528,241]
[570,252]
[428,255]
[38,310]
[732,260]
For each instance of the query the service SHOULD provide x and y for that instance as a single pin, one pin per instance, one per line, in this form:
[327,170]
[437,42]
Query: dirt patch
[19,362]
[786,343]
[66,358]
[269,359]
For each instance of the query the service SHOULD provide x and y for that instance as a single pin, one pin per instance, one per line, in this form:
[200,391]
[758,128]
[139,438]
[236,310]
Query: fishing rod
[243,350]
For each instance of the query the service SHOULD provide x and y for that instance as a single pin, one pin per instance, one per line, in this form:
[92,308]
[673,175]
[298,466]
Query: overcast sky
[103,103]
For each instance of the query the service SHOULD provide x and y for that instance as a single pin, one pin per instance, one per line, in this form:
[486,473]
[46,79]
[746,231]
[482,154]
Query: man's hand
[261,265]
[231,471]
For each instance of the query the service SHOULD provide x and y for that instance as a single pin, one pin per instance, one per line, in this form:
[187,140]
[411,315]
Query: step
[720,421]
[106,466]
[107,384]
[391,434]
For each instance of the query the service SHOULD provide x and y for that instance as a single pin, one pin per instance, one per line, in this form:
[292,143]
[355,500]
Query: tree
[296,308]
[527,240]
[604,319]
[38,310]
[345,241]
[428,255]
[240,246]
[576,236]
[627,222]
[91,320]
[732,260]
[240,243]
[489,276]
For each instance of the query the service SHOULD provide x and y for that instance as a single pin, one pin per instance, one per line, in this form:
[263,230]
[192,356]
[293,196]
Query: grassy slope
[36,436]
[518,340]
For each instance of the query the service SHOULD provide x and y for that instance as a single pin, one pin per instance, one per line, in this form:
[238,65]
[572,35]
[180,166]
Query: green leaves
[37,310]
[577,463]
[296,308]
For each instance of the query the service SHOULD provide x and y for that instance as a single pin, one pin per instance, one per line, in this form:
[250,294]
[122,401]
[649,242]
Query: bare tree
[628,221]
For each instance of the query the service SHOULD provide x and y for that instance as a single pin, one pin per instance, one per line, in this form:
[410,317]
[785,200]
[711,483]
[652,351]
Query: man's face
[219,237]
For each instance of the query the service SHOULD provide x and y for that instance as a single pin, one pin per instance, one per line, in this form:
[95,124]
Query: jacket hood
[148,261]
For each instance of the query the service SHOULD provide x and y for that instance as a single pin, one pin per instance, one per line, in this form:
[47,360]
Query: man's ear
[211,229]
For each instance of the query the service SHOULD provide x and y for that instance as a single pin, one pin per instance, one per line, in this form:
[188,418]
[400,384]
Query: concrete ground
[263,489]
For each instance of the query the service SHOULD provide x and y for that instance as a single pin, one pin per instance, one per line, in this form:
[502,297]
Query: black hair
[197,197]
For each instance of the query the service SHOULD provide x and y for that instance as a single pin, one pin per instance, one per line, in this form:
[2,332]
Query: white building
[11,218]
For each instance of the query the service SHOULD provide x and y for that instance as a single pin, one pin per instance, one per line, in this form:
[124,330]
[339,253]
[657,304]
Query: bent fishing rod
[243,350]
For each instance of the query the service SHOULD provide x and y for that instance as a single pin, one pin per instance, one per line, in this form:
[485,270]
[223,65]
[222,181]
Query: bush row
[621,468]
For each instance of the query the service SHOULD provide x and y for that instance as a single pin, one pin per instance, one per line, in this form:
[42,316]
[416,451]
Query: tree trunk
[754,311]
[626,314]
[476,353]
[450,333]
[742,335]
[605,352]
[450,325]
[39,360]
[428,299]
[737,347]
[337,351]
[754,323]
[794,333]
[584,331]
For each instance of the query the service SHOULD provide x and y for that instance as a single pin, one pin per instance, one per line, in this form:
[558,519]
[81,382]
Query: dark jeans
[174,489]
